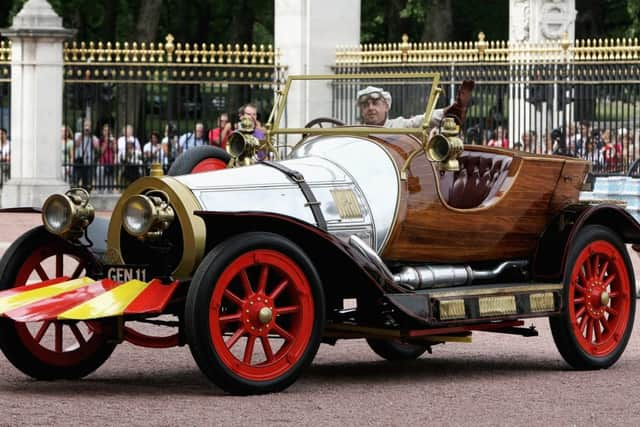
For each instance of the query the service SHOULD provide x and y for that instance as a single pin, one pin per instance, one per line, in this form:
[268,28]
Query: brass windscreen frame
[278,109]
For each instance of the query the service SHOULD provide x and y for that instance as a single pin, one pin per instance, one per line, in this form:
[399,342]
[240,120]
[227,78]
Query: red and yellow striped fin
[84,299]
[28,295]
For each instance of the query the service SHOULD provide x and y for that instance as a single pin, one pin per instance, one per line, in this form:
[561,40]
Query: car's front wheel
[50,349]
[254,313]
[598,301]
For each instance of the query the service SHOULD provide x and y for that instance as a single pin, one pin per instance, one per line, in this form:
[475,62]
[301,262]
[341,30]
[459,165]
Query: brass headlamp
[242,145]
[69,214]
[147,216]
[446,146]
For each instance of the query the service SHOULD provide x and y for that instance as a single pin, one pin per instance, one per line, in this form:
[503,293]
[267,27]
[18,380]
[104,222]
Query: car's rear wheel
[396,350]
[49,350]
[203,158]
[598,300]
[254,313]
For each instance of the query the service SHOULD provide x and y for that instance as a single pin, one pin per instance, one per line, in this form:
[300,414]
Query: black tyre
[396,350]
[598,301]
[49,350]
[254,313]
[203,158]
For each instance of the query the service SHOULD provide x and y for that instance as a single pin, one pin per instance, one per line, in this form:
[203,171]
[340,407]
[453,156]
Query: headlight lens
[146,215]
[57,213]
[138,215]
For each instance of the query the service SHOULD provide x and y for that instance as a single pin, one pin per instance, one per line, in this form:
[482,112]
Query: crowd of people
[101,160]
[609,150]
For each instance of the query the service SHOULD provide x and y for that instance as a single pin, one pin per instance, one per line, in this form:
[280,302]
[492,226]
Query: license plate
[126,272]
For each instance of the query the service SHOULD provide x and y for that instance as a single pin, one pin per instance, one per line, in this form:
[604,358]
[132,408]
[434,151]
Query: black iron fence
[128,105]
[579,99]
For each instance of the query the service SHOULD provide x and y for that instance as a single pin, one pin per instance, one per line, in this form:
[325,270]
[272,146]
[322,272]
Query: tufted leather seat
[479,179]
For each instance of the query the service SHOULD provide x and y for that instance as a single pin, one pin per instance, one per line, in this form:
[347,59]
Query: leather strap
[298,178]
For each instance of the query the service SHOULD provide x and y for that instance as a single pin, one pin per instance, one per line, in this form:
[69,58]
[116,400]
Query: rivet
[251,302]
[259,329]
[247,311]
[253,328]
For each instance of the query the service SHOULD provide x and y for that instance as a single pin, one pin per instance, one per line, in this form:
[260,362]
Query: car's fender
[550,257]
[344,271]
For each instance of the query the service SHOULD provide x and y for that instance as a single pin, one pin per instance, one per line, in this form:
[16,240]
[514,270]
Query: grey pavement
[498,380]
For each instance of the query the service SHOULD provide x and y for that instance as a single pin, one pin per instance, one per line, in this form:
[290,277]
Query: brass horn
[445,147]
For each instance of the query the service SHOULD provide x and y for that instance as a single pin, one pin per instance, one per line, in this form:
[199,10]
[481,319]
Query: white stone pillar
[537,21]
[307,33]
[37,39]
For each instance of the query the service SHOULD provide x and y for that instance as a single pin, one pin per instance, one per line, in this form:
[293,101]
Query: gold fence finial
[564,42]
[169,46]
[404,46]
[481,44]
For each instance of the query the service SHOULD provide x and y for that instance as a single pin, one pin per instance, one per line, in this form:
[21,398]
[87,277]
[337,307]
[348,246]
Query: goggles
[374,96]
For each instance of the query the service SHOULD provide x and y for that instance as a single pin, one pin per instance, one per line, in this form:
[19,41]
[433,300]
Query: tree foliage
[251,21]
[201,21]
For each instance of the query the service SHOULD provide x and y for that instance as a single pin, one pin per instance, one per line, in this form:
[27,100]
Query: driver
[375,102]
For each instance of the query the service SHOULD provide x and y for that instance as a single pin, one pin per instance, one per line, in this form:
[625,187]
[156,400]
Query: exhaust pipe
[432,276]
[441,276]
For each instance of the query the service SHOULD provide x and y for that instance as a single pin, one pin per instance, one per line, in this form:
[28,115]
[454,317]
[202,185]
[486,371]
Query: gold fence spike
[245,54]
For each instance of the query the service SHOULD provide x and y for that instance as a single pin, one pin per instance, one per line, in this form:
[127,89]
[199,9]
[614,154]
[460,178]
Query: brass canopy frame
[273,124]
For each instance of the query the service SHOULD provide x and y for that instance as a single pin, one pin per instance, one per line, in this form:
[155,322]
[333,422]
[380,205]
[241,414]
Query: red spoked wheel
[263,315]
[599,301]
[50,349]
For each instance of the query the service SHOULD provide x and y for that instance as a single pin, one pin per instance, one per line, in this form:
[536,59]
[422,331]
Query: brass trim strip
[452,309]
[542,302]
[347,203]
[540,287]
[497,306]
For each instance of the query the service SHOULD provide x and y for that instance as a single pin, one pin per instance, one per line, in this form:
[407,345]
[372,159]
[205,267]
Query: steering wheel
[320,121]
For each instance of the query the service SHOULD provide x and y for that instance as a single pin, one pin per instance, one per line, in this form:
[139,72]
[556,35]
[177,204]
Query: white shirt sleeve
[416,121]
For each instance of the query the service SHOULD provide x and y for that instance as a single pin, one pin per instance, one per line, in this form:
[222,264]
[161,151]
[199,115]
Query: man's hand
[458,109]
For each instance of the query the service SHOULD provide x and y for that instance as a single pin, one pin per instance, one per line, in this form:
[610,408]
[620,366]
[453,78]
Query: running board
[481,303]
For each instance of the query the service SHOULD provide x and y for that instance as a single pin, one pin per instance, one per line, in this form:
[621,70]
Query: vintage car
[403,237]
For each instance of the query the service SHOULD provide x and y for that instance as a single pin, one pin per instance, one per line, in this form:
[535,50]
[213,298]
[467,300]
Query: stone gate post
[307,33]
[534,23]
[37,39]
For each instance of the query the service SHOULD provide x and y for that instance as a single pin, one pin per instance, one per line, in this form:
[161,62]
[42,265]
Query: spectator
[154,151]
[525,143]
[108,157]
[86,147]
[131,161]
[170,141]
[593,154]
[66,137]
[220,134]
[611,152]
[128,137]
[192,139]
[549,146]
[581,137]
[5,154]
[498,138]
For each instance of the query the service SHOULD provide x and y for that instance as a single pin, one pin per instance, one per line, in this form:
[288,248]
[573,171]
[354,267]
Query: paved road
[497,380]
